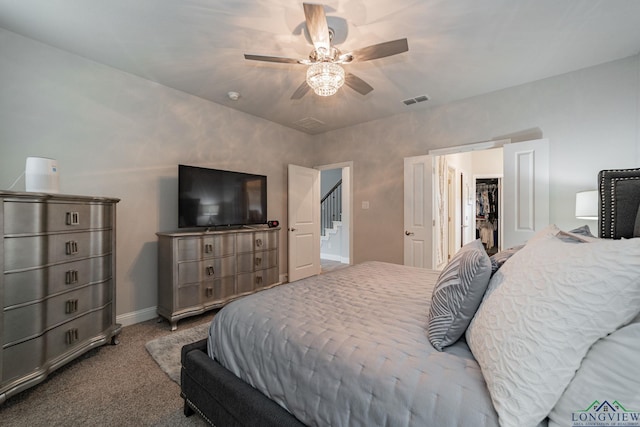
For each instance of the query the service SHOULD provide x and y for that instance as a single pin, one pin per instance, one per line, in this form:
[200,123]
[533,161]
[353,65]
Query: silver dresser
[200,271]
[57,288]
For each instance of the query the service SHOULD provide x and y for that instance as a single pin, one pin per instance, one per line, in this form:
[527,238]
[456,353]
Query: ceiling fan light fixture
[325,78]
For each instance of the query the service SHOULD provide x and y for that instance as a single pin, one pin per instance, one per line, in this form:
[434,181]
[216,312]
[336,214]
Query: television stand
[203,270]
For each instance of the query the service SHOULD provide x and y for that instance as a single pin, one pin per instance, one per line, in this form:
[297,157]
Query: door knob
[409,233]
[292,229]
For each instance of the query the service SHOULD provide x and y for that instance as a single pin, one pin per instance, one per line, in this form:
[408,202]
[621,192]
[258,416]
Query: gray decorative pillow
[501,257]
[582,231]
[457,294]
[577,235]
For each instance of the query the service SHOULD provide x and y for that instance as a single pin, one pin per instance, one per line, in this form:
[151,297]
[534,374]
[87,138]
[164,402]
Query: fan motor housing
[320,55]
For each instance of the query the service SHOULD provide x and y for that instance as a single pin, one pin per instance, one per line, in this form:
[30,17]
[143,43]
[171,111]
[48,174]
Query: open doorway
[335,216]
[456,203]
[524,169]
[474,208]
[440,203]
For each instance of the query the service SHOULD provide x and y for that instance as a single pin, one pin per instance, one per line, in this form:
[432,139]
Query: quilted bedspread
[350,348]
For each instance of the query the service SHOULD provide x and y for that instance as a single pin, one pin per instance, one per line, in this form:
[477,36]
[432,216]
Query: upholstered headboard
[619,198]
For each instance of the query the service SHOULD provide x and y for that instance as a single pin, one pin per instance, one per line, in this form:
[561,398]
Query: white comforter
[349,348]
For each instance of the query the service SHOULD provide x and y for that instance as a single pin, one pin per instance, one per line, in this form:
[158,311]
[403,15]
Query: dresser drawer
[22,359]
[189,249]
[77,333]
[31,285]
[33,319]
[251,282]
[257,241]
[207,293]
[266,240]
[34,251]
[249,262]
[219,245]
[40,217]
[219,290]
[197,271]
[188,296]
[246,283]
[195,248]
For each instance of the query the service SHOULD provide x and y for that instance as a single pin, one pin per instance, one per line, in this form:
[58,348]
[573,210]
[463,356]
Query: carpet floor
[117,385]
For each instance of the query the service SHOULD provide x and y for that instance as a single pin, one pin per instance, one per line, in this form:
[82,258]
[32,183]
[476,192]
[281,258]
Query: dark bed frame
[223,399]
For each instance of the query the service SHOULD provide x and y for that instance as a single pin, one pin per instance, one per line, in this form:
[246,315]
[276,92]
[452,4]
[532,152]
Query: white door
[418,211]
[525,190]
[304,222]
[452,202]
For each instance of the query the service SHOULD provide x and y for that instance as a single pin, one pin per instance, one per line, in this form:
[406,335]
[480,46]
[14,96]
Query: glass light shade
[587,205]
[325,78]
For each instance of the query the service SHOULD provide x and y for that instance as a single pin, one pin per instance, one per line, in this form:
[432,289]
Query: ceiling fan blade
[376,51]
[357,84]
[272,59]
[317,25]
[301,91]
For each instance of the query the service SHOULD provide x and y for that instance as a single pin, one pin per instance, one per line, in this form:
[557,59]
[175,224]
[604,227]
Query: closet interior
[487,213]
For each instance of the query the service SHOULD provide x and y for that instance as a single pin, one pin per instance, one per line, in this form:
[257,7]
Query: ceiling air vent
[309,124]
[415,100]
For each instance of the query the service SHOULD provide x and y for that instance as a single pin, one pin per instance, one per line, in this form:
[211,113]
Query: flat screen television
[216,198]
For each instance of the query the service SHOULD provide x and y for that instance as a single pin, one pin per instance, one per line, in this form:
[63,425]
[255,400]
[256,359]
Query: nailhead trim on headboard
[608,183]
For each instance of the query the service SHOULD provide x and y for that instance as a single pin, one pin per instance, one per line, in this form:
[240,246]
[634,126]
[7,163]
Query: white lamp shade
[587,205]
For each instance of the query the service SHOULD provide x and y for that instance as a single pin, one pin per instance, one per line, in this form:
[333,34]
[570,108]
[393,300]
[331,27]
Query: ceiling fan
[325,73]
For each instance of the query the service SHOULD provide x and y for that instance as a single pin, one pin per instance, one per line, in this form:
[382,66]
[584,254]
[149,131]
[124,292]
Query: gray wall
[118,135]
[590,117]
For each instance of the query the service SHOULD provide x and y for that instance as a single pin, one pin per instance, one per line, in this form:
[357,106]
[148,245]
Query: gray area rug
[166,349]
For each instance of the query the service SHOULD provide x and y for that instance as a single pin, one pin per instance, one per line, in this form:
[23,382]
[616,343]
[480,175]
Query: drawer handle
[258,261]
[258,242]
[71,277]
[258,280]
[73,218]
[71,306]
[209,292]
[72,335]
[72,247]
[210,271]
[208,248]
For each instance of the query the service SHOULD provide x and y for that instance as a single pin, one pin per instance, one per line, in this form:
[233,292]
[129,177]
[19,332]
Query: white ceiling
[457,48]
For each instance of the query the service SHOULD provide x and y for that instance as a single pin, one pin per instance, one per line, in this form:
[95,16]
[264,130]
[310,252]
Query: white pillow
[549,304]
[610,372]
[549,230]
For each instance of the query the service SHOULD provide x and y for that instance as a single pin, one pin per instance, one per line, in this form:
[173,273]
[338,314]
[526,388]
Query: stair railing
[331,208]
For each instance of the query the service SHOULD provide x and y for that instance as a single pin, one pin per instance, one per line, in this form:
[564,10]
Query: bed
[389,345]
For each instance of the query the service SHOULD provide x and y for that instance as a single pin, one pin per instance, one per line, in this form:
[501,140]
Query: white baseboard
[143,315]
